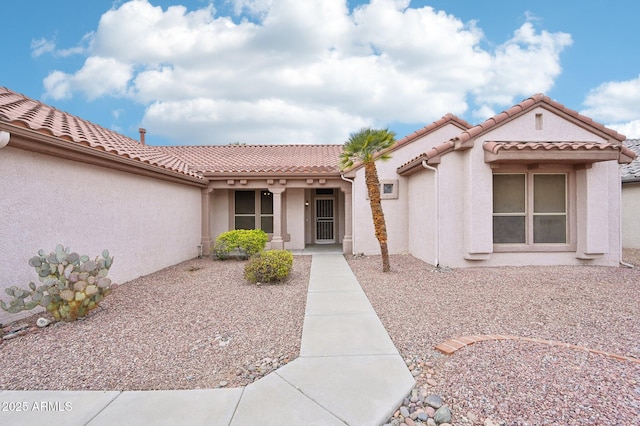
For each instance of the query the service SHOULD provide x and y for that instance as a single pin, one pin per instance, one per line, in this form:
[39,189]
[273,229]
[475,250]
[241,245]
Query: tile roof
[446,119]
[565,152]
[460,142]
[495,147]
[260,159]
[21,111]
[631,172]
[525,105]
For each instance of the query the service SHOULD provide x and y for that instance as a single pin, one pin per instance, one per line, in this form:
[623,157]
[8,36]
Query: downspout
[353,228]
[435,177]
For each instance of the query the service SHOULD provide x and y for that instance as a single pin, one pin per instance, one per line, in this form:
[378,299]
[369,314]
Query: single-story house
[631,198]
[536,184]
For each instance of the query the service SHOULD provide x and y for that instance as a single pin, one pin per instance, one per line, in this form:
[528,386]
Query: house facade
[631,198]
[536,184]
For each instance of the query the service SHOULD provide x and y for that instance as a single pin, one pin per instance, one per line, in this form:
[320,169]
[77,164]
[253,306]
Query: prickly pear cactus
[71,285]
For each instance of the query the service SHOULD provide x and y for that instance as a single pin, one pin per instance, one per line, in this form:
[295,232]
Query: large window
[530,208]
[254,210]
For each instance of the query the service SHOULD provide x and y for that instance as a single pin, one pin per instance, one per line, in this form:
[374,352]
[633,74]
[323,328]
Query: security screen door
[325,222]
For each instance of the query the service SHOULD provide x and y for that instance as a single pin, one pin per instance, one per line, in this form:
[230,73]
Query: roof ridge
[524,106]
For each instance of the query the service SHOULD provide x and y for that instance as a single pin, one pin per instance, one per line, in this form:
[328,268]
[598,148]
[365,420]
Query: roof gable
[448,119]
[467,137]
[527,105]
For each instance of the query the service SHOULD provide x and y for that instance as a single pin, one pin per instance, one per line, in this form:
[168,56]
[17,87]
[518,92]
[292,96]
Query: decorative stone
[442,415]
[432,382]
[423,417]
[409,422]
[223,383]
[42,322]
[404,411]
[434,401]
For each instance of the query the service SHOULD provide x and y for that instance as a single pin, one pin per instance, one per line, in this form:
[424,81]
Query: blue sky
[196,72]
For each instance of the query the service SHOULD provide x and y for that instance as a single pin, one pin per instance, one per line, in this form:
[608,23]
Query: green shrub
[246,241]
[269,266]
[72,285]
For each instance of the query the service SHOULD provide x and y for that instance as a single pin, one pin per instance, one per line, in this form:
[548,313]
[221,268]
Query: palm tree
[365,147]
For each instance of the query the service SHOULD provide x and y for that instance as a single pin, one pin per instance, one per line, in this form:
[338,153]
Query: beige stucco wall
[422,219]
[146,224]
[295,218]
[465,220]
[631,215]
[396,211]
[221,215]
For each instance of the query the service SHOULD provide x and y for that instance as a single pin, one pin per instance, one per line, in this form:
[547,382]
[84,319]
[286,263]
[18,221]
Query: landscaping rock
[434,401]
[42,322]
[442,415]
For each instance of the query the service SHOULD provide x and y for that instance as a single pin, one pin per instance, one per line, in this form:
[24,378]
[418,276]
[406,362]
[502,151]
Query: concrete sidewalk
[349,372]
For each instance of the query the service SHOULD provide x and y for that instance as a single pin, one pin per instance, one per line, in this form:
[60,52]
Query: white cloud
[98,77]
[41,46]
[631,129]
[526,64]
[614,101]
[618,103]
[56,85]
[303,71]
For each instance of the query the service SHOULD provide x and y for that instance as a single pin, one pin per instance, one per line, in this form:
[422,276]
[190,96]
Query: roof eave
[34,141]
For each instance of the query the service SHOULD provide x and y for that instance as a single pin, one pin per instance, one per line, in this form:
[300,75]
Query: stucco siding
[295,218]
[452,213]
[553,128]
[221,212]
[395,210]
[631,215]
[422,220]
[146,224]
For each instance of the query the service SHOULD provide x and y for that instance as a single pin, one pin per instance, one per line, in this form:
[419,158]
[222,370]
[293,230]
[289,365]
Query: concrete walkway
[349,372]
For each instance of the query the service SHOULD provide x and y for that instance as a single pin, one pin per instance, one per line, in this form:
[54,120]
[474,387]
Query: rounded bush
[242,243]
[269,266]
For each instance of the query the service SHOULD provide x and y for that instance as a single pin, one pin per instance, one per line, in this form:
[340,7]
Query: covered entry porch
[297,214]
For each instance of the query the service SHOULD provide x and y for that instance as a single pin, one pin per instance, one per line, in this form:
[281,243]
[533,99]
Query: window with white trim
[253,210]
[530,208]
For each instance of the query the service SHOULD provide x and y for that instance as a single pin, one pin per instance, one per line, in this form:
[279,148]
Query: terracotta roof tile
[494,147]
[459,142]
[262,159]
[446,119]
[525,105]
[557,151]
[631,172]
[18,110]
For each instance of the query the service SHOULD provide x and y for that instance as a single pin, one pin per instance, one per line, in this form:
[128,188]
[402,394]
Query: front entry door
[325,222]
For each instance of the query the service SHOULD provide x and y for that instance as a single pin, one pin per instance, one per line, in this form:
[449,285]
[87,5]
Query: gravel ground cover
[515,382]
[197,324]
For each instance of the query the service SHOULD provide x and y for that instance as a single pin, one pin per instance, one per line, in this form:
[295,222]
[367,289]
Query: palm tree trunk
[373,188]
